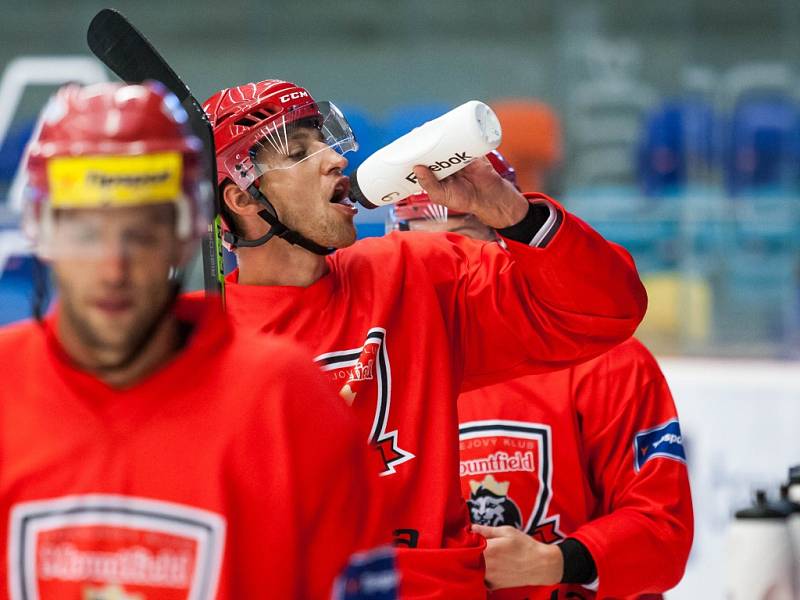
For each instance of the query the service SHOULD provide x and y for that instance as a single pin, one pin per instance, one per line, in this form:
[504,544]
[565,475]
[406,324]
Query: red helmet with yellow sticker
[115,145]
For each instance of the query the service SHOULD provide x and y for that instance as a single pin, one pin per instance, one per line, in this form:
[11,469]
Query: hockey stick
[124,50]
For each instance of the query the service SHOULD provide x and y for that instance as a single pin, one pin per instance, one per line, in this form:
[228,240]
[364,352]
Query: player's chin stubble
[329,231]
[109,347]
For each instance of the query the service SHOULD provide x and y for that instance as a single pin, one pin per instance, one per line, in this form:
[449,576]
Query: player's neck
[161,345]
[280,263]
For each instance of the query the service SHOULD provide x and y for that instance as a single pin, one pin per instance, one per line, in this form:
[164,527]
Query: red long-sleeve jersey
[401,323]
[593,452]
[219,476]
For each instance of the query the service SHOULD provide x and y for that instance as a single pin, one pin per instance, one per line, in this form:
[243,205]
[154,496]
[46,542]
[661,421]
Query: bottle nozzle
[356,194]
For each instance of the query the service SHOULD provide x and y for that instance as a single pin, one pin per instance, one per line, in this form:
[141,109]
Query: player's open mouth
[341,196]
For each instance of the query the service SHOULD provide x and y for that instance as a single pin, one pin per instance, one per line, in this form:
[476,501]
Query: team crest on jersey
[364,378]
[109,547]
[506,474]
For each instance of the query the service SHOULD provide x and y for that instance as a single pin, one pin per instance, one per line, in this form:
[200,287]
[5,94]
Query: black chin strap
[276,229]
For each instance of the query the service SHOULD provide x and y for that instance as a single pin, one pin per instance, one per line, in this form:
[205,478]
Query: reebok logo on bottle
[441,165]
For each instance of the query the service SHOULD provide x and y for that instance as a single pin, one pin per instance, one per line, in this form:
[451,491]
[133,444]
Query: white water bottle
[446,145]
[791,494]
[793,525]
[793,489]
[759,554]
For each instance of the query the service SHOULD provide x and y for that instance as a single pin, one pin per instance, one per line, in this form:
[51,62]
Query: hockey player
[402,323]
[577,478]
[145,450]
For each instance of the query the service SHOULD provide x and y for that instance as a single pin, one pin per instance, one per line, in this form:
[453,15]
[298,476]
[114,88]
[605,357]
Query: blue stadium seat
[678,145]
[763,146]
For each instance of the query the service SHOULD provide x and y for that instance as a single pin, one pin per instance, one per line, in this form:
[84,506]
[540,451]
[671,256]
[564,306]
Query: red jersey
[193,483]
[401,323]
[593,452]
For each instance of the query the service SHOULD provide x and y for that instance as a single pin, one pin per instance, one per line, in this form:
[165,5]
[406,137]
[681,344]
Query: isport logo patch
[664,441]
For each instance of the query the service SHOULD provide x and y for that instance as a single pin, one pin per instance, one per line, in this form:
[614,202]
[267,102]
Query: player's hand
[514,559]
[476,189]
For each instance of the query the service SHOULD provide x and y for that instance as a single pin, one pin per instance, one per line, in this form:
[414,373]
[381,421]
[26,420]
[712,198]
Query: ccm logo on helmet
[292,96]
[441,165]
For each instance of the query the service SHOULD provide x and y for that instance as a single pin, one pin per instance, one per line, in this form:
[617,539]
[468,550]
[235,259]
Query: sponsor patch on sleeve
[664,441]
[369,576]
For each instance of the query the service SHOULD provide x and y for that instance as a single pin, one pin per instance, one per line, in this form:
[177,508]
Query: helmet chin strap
[276,229]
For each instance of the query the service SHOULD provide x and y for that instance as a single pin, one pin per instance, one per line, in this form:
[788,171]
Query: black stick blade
[124,50]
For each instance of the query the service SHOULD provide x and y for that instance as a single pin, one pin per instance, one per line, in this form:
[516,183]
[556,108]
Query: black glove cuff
[579,565]
[524,231]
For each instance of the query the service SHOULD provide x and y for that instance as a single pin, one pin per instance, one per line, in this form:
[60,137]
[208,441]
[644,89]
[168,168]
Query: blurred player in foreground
[401,323]
[146,451]
[589,458]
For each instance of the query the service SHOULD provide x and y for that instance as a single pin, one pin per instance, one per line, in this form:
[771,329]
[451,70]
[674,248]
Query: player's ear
[239,202]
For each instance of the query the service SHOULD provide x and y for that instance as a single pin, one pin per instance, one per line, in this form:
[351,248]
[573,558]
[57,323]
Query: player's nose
[333,160]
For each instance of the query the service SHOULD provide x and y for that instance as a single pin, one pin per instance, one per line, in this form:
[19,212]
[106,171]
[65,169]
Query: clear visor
[146,234]
[91,199]
[289,140]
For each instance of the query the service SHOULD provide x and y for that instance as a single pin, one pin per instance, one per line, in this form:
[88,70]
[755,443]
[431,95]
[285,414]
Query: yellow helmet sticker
[94,181]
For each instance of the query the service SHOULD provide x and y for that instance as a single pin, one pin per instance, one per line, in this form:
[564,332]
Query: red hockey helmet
[503,167]
[419,206]
[263,116]
[113,145]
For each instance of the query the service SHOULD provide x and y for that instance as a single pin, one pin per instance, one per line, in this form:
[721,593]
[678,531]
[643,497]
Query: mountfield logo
[111,179]
[110,547]
[499,462]
[459,158]
[130,566]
